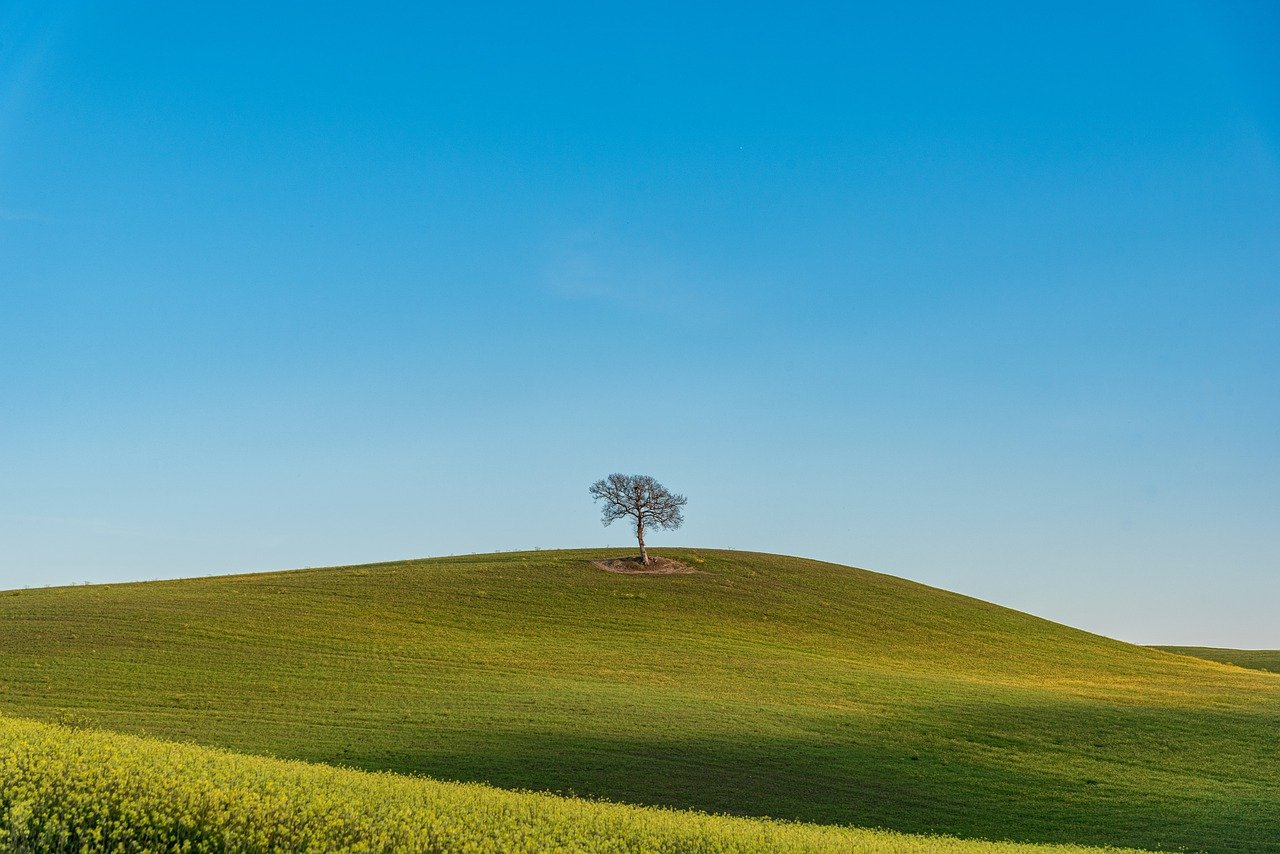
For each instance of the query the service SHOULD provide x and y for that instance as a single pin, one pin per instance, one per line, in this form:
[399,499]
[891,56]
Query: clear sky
[984,295]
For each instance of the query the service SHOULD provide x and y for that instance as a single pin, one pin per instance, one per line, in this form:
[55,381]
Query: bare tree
[647,502]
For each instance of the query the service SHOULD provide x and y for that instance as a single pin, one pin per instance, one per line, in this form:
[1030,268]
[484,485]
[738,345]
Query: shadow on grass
[836,779]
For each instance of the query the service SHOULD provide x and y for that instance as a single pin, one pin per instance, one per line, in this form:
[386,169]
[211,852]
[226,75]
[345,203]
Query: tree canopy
[640,497]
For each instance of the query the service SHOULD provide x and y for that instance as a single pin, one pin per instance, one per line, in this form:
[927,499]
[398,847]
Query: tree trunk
[644,555]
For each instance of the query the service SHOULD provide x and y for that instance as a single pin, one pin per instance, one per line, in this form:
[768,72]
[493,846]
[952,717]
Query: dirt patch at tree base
[655,566]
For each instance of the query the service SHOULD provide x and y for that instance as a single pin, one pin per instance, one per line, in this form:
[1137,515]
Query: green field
[63,789]
[762,685]
[1254,659]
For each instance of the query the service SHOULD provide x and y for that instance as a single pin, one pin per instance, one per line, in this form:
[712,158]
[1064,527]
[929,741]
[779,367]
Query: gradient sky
[986,297]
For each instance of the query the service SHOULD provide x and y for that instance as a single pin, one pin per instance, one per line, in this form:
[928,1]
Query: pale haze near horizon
[984,298]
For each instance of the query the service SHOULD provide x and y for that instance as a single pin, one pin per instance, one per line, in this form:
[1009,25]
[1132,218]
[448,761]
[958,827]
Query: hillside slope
[64,789]
[761,685]
[1254,659]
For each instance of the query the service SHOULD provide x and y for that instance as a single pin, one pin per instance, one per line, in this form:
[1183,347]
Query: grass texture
[82,791]
[759,686]
[1253,659]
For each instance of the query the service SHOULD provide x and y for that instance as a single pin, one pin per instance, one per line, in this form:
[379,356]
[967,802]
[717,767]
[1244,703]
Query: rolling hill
[67,789]
[1253,659]
[758,686]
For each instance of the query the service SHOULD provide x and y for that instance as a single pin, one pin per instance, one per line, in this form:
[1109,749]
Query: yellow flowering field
[68,789]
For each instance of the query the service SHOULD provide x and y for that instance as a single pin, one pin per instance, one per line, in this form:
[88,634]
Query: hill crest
[760,685]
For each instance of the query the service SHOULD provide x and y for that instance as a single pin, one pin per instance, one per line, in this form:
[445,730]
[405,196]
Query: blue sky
[986,297]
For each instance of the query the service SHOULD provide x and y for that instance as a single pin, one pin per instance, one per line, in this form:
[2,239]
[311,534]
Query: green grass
[1254,659]
[82,791]
[763,685]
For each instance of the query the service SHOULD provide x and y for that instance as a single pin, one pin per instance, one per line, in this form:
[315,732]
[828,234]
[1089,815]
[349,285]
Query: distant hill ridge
[1254,659]
[759,685]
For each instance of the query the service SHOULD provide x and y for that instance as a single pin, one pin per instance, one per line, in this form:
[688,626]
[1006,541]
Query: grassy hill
[1254,659]
[761,685]
[63,789]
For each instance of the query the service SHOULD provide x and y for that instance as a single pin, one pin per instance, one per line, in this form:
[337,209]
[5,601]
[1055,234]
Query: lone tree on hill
[639,496]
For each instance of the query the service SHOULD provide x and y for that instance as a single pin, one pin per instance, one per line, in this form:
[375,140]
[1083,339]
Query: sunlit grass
[1254,659]
[74,790]
[761,686]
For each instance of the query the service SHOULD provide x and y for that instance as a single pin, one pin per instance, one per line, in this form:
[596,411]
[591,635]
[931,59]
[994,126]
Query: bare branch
[647,502]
